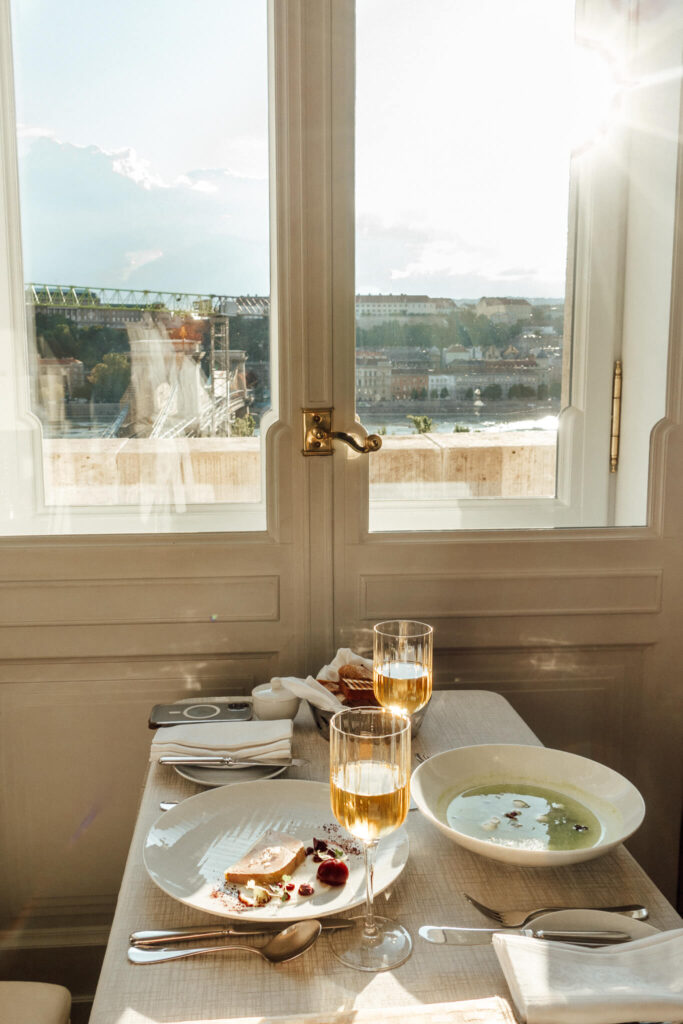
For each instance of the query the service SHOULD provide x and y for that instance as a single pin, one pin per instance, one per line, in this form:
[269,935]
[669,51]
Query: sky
[144,157]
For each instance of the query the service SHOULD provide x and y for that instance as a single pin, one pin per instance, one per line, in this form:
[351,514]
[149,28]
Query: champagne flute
[402,664]
[369,783]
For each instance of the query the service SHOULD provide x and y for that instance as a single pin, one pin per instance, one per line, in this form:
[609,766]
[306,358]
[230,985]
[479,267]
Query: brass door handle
[318,435]
[372,443]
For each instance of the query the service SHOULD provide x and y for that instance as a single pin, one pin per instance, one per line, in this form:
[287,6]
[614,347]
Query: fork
[518,918]
[420,758]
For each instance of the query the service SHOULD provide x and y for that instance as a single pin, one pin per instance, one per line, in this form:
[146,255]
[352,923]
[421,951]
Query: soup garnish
[521,815]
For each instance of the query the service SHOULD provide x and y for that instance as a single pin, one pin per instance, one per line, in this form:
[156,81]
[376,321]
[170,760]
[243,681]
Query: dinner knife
[441,934]
[159,937]
[216,761]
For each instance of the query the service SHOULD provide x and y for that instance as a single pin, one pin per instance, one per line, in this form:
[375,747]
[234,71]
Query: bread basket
[345,657]
[322,720]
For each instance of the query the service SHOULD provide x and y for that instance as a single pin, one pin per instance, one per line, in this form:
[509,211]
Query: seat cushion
[33,1002]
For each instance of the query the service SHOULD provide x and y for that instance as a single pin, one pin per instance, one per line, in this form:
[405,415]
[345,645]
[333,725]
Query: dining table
[441,984]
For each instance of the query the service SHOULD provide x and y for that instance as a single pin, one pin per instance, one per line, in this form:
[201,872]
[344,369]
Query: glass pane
[143,164]
[462,171]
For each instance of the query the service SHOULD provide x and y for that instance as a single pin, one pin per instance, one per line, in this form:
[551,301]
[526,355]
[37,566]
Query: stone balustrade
[119,471]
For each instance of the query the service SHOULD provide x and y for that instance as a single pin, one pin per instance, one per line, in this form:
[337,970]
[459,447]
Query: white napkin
[312,691]
[344,656]
[263,740]
[556,983]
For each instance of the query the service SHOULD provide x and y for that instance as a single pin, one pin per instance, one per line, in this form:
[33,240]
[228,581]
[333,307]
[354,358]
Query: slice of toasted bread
[331,685]
[276,854]
[358,692]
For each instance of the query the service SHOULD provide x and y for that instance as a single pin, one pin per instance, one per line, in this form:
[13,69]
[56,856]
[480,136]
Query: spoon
[286,945]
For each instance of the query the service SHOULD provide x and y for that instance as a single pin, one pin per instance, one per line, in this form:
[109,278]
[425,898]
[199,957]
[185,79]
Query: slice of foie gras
[276,854]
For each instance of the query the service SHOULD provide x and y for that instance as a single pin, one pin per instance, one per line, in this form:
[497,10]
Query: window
[503,374]
[139,362]
[143,355]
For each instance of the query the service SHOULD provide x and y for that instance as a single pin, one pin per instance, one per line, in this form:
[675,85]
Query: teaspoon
[286,945]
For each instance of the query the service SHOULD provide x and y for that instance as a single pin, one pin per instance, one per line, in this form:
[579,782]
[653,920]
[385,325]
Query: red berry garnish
[333,872]
[305,889]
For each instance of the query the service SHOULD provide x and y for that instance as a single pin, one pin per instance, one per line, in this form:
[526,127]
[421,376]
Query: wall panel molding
[510,593]
[116,602]
[580,698]
[74,747]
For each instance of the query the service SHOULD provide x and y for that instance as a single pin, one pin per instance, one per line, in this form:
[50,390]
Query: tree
[252,335]
[59,338]
[521,391]
[422,424]
[110,378]
[243,426]
[444,392]
[493,392]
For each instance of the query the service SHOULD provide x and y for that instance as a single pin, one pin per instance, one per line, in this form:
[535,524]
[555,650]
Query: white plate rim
[198,775]
[391,858]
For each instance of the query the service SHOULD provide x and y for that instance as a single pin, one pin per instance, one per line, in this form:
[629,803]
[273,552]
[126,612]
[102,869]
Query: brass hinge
[615,429]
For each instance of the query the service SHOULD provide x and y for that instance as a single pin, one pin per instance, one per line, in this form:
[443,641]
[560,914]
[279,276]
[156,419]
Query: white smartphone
[237,710]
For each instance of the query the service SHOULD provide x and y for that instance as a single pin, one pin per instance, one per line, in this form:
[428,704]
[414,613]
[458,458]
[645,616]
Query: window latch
[319,436]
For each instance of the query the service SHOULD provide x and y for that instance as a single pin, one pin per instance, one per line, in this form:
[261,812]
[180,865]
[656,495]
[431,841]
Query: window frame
[25,513]
[587,494]
[610,294]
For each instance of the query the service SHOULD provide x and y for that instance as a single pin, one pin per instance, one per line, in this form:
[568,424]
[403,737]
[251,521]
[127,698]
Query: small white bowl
[614,801]
[273,701]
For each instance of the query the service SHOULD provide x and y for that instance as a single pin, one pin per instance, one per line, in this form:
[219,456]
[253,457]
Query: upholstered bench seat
[33,1002]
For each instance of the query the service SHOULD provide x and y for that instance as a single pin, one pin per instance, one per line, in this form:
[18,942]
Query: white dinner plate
[593,920]
[220,776]
[189,847]
[226,776]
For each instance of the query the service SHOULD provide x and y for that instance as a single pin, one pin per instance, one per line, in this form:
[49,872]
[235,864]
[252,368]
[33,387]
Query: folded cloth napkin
[311,690]
[263,740]
[557,983]
[344,656]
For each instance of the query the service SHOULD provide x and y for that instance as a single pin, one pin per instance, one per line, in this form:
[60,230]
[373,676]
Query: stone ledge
[117,471]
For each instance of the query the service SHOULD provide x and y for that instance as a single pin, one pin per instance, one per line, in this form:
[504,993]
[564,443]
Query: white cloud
[135,260]
[130,164]
[127,163]
[27,131]
[457,258]
[87,220]
[198,186]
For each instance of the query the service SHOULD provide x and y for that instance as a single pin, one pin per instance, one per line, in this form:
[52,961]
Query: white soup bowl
[614,801]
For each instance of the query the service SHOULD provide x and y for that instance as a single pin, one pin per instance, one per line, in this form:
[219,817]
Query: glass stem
[370,928]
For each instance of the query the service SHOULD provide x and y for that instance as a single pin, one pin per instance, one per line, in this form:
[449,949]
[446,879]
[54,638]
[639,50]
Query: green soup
[519,815]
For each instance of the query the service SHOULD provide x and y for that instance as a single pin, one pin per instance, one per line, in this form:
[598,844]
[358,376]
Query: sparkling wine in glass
[370,793]
[402,664]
